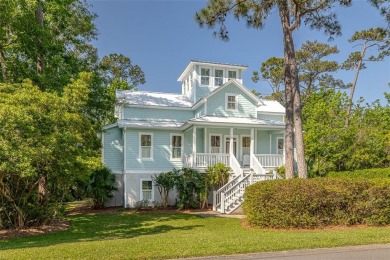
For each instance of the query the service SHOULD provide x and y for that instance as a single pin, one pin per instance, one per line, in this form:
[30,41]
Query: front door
[227,146]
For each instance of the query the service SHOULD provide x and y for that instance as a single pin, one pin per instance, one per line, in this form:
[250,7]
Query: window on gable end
[218,77]
[231,102]
[204,76]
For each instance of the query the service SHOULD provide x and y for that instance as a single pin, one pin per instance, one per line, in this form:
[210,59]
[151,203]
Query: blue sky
[161,36]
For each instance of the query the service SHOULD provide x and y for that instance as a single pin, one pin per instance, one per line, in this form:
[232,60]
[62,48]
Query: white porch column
[194,146]
[252,147]
[231,142]
[125,199]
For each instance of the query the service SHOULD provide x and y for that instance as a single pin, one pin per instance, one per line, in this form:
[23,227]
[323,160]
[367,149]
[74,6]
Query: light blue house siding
[216,103]
[279,118]
[112,149]
[161,146]
[267,141]
[157,114]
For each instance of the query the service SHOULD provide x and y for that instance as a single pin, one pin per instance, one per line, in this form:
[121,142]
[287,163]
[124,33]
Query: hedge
[367,173]
[320,202]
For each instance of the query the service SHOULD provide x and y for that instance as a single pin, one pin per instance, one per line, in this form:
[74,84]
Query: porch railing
[270,160]
[235,166]
[207,159]
[217,194]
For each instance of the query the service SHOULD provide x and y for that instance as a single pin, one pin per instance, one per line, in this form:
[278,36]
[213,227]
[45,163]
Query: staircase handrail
[226,196]
[235,166]
[256,165]
[223,189]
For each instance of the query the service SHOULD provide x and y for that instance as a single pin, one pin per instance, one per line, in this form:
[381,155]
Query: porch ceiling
[236,121]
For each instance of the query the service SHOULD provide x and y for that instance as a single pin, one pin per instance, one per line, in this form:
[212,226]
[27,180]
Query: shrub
[299,203]
[146,204]
[100,187]
[367,173]
[165,182]
[190,185]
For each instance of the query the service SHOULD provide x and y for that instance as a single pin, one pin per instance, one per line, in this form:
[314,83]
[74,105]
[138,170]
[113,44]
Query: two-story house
[214,119]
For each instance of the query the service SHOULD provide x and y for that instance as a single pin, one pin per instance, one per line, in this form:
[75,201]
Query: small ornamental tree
[100,187]
[165,182]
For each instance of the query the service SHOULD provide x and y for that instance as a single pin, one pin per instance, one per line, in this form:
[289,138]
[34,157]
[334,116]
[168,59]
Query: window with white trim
[231,102]
[204,76]
[218,77]
[147,190]
[232,74]
[176,147]
[280,145]
[215,144]
[146,146]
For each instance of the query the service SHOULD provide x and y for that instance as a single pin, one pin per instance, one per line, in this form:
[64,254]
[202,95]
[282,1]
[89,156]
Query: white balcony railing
[270,160]
[207,159]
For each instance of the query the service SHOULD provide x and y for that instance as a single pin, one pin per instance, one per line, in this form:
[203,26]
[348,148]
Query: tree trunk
[2,65]
[42,189]
[359,65]
[39,21]
[289,130]
[293,99]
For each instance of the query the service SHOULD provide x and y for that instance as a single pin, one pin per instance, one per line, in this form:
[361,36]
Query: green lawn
[133,235]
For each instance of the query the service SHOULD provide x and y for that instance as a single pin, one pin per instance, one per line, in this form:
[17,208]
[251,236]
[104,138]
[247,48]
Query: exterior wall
[200,140]
[133,181]
[188,142]
[117,199]
[200,111]
[217,102]
[157,114]
[270,117]
[113,149]
[267,141]
[274,138]
[161,147]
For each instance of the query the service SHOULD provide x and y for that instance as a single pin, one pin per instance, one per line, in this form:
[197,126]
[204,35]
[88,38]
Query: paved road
[365,252]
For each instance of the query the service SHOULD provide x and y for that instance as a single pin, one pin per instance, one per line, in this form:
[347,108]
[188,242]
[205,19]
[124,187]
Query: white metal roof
[236,121]
[271,106]
[144,98]
[148,123]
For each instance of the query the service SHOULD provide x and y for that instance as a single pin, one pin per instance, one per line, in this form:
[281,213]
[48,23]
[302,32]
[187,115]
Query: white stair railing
[233,197]
[217,194]
[256,165]
[235,166]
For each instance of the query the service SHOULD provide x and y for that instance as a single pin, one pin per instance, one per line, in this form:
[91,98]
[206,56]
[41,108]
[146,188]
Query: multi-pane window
[146,146]
[246,144]
[218,78]
[176,143]
[215,143]
[280,145]
[231,102]
[204,76]
[146,190]
[232,74]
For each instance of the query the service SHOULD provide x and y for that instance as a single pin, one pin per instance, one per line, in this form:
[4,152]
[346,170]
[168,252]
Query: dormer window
[232,74]
[204,76]
[231,101]
[218,77]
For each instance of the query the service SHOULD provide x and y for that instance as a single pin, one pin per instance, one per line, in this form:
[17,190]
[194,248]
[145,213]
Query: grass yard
[130,235]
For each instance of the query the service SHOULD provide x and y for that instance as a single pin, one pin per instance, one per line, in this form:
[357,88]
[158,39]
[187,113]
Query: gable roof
[235,82]
[271,106]
[208,63]
[144,98]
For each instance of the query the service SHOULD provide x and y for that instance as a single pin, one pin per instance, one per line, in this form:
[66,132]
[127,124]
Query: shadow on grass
[107,227]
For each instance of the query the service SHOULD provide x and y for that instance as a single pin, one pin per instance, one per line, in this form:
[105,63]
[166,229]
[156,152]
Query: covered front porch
[257,148]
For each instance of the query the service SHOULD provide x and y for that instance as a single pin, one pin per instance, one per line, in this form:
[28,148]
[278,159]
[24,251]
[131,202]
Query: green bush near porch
[320,202]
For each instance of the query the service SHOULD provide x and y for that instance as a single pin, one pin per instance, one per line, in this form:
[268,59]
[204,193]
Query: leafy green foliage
[100,186]
[44,137]
[165,183]
[317,202]
[189,184]
[366,173]
[330,146]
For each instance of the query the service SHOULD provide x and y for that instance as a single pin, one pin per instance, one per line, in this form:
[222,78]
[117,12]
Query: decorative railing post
[214,200]
[222,202]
